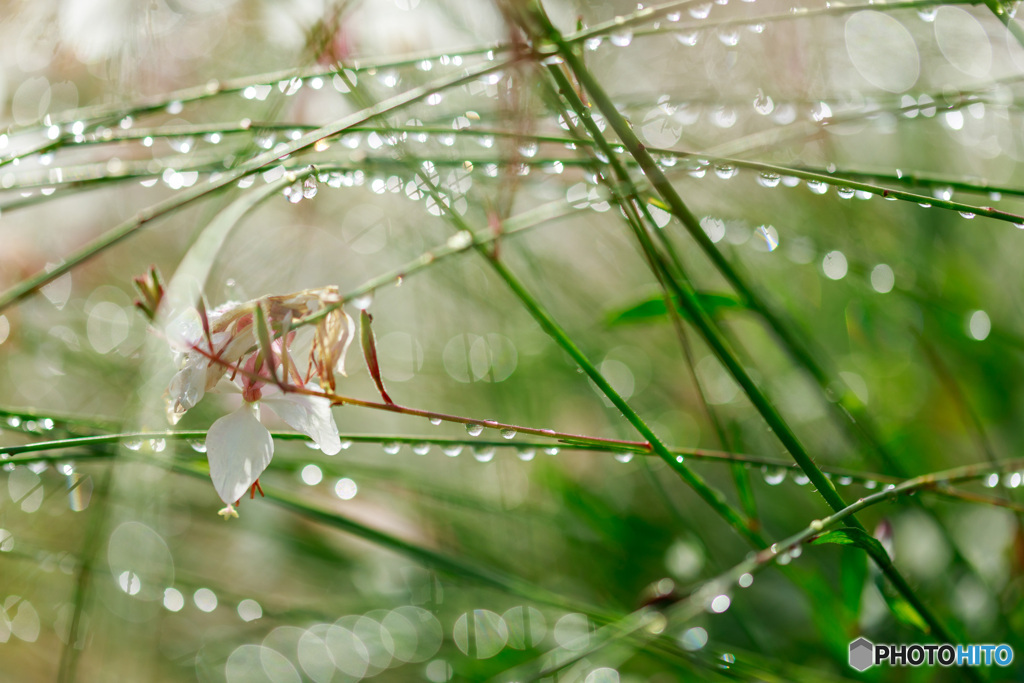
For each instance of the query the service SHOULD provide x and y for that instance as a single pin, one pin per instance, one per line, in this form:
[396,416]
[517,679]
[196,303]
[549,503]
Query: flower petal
[238,448]
[310,415]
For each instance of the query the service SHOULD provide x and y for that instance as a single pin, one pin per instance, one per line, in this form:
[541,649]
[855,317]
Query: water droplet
[309,187]
[928,13]
[688,38]
[391,448]
[624,457]
[551,450]
[421,448]
[526,454]
[769,236]
[729,36]
[485,454]
[817,186]
[508,433]
[133,444]
[726,171]
[845,192]
[592,43]
[745,580]
[435,421]
[474,429]
[346,444]
[157,445]
[701,11]
[621,37]
[197,446]
[774,475]
[800,479]
[763,104]
[870,484]
[452,450]
[967,214]
[768,179]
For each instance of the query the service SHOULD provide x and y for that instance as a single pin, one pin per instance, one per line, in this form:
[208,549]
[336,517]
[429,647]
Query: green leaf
[901,609]
[653,308]
[854,537]
[852,578]
[898,605]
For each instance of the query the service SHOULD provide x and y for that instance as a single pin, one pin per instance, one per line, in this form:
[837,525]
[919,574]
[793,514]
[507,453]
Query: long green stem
[688,299]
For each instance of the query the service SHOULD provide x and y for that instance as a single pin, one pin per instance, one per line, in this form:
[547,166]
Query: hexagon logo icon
[862,654]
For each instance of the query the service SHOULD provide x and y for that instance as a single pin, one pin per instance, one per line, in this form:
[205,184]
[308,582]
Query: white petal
[239,448]
[310,415]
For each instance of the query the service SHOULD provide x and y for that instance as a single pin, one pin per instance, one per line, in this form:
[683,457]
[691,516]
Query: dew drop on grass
[729,36]
[421,448]
[967,214]
[529,149]
[474,429]
[435,421]
[552,450]
[508,433]
[768,236]
[688,38]
[870,484]
[197,446]
[526,454]
[845,192]
[346,444]
[817,187]
[763,104]
[773,476]
[485,454]
[768,179]
[309,187]
[592,43]
[725,171]
[701,11]
[624,457]
[133,444]
[157,445]
[391,448]
[622,37]
[800,479]
[452,450]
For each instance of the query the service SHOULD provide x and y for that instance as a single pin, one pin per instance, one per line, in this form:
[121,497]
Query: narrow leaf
[370,353]
[855,537]
[653,308]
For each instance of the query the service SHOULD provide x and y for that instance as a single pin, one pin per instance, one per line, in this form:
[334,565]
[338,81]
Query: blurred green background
[426,552]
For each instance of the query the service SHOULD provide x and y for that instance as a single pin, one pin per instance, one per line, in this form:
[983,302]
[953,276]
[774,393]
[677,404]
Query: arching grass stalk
[710,495]
[636,212]
[132,225]
[688,299]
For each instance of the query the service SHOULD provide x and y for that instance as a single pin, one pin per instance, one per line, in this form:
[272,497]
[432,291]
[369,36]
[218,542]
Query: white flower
[227,343]
[239,447]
